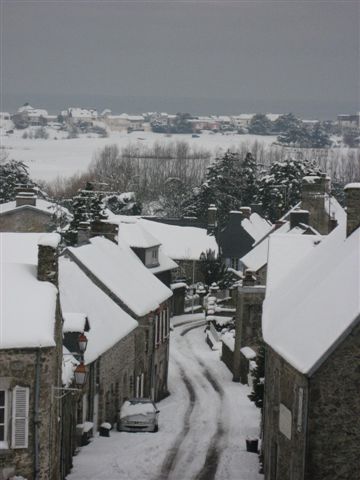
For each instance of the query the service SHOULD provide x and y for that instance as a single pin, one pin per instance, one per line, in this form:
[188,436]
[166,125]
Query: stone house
[28,213]
[119,273]
[181,241]
[110,352]
[30,361]
[311,326]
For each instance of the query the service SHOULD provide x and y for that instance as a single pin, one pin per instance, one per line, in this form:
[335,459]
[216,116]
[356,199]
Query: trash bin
[104,430]
[252,445]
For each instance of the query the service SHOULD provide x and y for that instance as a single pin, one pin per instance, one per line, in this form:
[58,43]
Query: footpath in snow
[203,424]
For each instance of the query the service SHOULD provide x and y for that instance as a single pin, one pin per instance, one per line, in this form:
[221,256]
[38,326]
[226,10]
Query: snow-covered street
[203,424]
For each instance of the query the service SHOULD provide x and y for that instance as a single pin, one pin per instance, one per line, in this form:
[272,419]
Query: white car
[138,415]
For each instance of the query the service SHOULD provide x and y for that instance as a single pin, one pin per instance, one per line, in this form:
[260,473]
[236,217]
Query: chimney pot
[246,211]
[299,216]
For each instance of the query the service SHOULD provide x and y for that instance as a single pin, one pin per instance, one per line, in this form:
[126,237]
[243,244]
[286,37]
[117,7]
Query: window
[157,330]
[20,421]
[3,418]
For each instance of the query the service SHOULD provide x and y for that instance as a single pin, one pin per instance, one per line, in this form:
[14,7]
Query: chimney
[25,198]
[249,278]
[48,258]
[235,217]
[315,190]
[352,191]
[104,229]
[279,223]
[83,233]
[246,211]
[297,217]
[212,219]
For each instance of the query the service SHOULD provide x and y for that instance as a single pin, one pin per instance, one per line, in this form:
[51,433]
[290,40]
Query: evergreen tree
[297,136]
[286,122]
[280,189]
[12,173]
[230,183]
[257,394]
[260,125]
[87,206]
[319,138]
[213,270]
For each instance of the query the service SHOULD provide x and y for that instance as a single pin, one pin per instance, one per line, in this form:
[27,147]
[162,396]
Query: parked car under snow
[138,415]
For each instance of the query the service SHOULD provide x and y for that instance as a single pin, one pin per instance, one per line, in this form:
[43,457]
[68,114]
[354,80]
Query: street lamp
[80,372]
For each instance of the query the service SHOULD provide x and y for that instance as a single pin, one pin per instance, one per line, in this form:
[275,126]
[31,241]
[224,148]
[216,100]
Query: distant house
[35,116]
[28,213]
[30,358]
[121,275]
[77,114]
[243,230]
[349,120]
[311,326]
[125,122]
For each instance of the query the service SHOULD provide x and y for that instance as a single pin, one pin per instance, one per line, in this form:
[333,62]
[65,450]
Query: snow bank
[74,322]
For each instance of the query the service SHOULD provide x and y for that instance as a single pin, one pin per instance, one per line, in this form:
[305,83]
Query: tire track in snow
[170,460]
[214,451]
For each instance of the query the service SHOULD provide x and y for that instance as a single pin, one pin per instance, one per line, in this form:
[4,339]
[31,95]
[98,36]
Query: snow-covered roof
[256,226]
[120,270]
[137,236]
[334,209]
[28,308]
[42,205]
[21,247]
[134,234]
[74,322]
[181,243]
[285,252]
[258,255]
[313,307]
[108,322]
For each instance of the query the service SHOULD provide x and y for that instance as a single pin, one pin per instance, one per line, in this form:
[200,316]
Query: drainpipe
[36,416]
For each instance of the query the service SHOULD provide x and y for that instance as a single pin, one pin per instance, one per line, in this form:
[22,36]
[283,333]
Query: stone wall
[19,365]
[283,456]
[25,220]
[116,368]
[334,414]
[248,332]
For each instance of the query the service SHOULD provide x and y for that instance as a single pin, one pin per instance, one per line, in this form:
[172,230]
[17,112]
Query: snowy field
[203,424]
[48,159]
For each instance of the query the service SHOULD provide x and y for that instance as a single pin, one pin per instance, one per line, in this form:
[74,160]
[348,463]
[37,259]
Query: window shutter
[20,421]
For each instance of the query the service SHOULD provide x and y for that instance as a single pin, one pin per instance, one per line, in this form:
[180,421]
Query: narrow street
[203,424]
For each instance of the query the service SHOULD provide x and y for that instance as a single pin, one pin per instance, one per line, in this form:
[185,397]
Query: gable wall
[334,414]
[283,457]
[25,220]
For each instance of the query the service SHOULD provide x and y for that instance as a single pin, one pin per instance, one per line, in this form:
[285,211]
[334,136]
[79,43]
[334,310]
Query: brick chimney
[48,258]
[352,191]
[297,217]
[246,211]
[212,219]
[315,190]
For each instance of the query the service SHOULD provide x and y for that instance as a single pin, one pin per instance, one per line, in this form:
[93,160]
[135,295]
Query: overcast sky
[197,56]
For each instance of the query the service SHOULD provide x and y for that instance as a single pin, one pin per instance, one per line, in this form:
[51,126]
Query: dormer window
[152,257]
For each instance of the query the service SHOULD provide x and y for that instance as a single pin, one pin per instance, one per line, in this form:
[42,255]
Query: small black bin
[252,445]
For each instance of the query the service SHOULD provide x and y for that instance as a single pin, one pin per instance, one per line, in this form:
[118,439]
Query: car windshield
[137,407]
